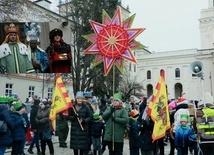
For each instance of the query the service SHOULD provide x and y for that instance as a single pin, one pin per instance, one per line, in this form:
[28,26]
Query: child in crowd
[20,124]
[182,135]
[133,132]
[96,133]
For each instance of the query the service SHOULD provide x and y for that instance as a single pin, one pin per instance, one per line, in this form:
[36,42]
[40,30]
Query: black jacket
[78,137]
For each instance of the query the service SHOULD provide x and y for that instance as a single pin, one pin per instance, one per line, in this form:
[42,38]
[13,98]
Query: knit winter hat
[94,101]
[134,113]
[182,100]
[88,95]
[117,97]
[79,94]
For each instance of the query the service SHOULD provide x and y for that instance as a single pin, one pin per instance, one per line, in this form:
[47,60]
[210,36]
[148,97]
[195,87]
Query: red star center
[112,41]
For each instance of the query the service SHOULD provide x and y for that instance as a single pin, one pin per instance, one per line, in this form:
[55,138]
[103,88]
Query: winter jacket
[177,117]
[78,137]
[6,138]
[145,137]
[96,129]
[121,119]
[19,126]
[133,133]
[42,119]
[182,136]
[33,113]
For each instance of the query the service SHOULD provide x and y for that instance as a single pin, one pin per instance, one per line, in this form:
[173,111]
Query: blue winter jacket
[133,133]
[19,129]
[182,136]
[6,138]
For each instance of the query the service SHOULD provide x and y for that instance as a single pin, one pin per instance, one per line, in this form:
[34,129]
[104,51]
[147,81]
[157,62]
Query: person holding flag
[146,126]
[80,116]
[158,109]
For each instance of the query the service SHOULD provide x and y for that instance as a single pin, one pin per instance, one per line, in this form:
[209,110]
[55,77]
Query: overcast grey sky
[170,24]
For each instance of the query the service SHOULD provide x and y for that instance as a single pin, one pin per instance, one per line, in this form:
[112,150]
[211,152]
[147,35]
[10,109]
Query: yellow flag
[61,101]
[158,109]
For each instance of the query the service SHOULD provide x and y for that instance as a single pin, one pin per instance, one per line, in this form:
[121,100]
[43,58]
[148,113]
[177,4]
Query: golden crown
[11,28]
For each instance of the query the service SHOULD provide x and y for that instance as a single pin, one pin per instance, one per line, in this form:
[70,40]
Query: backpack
[3,127]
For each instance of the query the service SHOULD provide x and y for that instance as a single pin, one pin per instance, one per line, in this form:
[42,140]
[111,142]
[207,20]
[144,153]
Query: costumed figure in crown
[39,57]
[14,55]
[59,53]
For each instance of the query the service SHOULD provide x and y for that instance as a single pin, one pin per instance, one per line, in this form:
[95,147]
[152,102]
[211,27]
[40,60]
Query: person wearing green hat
[6,137]
[20,124]
[116,118]
[182,134]
[97,127]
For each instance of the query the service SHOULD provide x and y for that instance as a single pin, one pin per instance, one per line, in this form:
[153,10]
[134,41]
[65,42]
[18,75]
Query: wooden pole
[78,118]
[113,112]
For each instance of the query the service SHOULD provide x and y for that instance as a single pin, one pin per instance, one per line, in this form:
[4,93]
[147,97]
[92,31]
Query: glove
[113,119]
[112,109]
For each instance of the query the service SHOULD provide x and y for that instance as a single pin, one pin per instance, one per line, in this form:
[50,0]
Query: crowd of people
[99,125]
[17,57]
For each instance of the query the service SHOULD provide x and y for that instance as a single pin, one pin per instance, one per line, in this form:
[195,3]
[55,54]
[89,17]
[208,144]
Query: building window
[135,68]
[148,74]
[31,90]
[177,72]
[50,93]
[8,89]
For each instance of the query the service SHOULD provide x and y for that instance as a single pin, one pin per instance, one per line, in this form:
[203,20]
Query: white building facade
[176,64]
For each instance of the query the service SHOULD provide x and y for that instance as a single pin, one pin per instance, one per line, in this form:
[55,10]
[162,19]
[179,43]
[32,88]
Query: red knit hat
[182,100]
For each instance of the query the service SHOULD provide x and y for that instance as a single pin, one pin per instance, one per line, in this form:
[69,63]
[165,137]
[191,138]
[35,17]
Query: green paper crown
[6,99]
[3,99]
[96,116]
[184,117]
[17,104]
[118,96]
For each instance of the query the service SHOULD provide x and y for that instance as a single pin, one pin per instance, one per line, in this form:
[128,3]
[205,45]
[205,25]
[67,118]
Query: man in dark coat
[78,136]
[33,113]
[145,138]
[63,130]
[5,138]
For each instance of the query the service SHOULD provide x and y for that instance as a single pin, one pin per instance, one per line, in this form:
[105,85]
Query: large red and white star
[113,41]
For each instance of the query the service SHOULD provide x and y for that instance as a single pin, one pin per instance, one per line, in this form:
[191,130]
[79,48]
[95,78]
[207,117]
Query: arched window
[148,74]
[177,73]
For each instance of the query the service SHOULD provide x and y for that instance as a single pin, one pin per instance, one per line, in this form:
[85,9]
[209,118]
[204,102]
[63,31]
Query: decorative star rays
[113,41]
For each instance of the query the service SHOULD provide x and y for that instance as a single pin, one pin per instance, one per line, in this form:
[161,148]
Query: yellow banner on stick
[158,109]
[61,101]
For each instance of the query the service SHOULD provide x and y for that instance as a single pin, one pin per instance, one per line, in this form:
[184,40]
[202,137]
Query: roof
[42,0]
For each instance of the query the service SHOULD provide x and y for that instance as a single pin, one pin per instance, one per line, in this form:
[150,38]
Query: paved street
[67,151]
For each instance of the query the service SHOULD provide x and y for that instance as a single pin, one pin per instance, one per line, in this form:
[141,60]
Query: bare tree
[130,86]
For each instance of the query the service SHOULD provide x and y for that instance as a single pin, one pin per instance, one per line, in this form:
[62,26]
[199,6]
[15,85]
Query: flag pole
[78,118]
[113,112]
